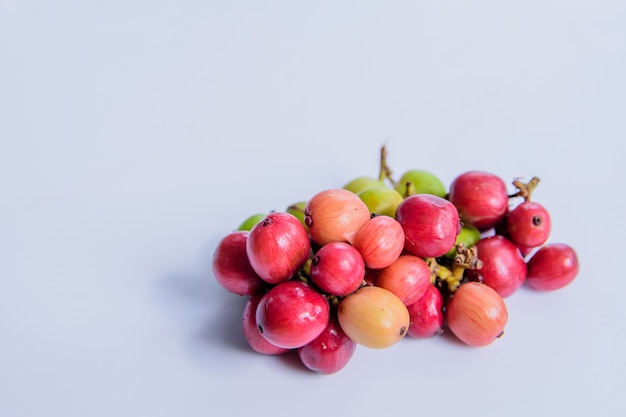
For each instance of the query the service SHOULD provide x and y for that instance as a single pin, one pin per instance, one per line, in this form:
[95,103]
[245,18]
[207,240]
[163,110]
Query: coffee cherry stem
[433,266]
[467,257]
[410,189]
[453,275]
[385,172]
[450,276]
[306,268]
[333,301]
[524,190]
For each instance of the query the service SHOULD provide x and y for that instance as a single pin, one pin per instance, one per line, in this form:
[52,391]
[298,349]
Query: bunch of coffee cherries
[377,260]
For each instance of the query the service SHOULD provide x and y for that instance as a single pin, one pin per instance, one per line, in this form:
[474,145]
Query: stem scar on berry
[308,220]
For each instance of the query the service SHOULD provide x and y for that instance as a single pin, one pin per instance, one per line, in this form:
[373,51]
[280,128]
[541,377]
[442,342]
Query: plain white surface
[135,134]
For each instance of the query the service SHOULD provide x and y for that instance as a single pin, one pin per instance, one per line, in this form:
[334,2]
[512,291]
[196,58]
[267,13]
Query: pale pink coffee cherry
[380,241]
[476,314]
[408,278]
[335,215]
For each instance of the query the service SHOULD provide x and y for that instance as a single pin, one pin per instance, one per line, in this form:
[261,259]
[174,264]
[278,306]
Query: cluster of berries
[377,260]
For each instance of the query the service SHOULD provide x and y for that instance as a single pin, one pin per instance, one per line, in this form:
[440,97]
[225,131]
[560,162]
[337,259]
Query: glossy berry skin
[335,215]
[480,197]
[426,314]
[381,200]
[552,267]
[251,332]
[292,314]
[380,241]
[529,224]
[408,278]
[476,314]
[373,317]
[277,246]
[362,183]
[503,268]
[337,268]
[430,224]
[231,267]
[423,182]
[329,352]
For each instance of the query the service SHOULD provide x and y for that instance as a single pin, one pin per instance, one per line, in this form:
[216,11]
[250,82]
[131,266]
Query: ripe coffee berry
[529,224]
[503,267]
[430,224]
[337,269]
[329,352]
[552,267]
[427,317]
[277,246]
[292,314]
[408,278]
[232,268]
[335,215]
[380,241]
[251,330]
[480,197]
[476,314]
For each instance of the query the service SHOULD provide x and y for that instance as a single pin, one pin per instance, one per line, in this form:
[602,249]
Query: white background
[135,134]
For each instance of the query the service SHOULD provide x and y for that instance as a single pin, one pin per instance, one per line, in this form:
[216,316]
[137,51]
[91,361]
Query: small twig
[524,190]
[385,172]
